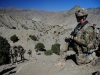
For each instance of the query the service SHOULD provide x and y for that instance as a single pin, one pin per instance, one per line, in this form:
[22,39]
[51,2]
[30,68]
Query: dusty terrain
[49,28]
[47,65]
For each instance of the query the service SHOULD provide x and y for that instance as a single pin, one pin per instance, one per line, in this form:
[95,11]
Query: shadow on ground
[96,73]
[8,70]
[73,57]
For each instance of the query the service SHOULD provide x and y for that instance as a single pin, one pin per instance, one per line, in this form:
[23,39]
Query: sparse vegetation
[56,48]
[14,38]
[4,51]
[49,28]
[33,37]
[48,52]
[58,32]
[39,46]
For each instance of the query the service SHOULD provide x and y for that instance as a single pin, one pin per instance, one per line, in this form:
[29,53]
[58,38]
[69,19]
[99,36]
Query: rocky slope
[49,27]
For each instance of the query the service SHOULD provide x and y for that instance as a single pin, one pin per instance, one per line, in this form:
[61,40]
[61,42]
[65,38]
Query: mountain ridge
[48,27]
[54,18]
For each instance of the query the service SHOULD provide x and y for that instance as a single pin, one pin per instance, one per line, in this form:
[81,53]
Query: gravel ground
[46,65]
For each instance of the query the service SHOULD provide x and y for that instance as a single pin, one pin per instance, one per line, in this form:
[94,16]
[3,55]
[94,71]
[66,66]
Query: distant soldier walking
[13,54]
[30,53]
[22,51]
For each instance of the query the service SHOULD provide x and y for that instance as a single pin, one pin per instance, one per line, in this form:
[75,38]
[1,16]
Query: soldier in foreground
[82,39]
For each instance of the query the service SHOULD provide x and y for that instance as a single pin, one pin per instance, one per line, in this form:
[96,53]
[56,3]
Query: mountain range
[48,26]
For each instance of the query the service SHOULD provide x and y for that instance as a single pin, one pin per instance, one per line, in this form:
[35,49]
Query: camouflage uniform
[22,51]
[16,54]
[84,40]
[13,54]
[91,40]
[30,53]
[86,37]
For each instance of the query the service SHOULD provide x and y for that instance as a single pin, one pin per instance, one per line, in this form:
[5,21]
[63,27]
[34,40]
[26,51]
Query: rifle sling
[78,27]
[83,24]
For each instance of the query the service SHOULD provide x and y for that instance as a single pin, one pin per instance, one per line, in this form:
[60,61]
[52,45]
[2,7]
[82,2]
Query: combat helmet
[81,12]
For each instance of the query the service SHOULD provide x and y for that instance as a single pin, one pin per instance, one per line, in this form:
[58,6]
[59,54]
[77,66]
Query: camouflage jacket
[11,51]
[84,34]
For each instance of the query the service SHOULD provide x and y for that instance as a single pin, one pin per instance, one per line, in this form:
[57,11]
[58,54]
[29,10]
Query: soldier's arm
[87,37]
[80,41]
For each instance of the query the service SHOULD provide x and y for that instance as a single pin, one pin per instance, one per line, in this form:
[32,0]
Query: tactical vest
[86,34]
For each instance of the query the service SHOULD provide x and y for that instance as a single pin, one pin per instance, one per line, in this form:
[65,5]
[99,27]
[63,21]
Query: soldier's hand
[72,37]
[75,38]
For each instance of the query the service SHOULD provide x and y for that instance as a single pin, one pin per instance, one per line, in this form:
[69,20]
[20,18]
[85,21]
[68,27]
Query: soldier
[30,53]
[15,54]
[81,38]
[12,54]
[22,51]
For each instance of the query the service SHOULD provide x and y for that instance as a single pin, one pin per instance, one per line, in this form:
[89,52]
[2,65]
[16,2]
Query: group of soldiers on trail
[15,52]
[84,38]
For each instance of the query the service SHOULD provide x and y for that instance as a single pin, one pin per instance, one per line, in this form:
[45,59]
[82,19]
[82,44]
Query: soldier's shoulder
[88,24]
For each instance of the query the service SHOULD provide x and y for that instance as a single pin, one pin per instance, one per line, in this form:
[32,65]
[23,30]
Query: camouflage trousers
[13,58]
[22,57]
[84,59]
[72,46]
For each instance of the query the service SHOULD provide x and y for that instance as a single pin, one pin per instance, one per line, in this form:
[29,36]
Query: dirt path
[46,65]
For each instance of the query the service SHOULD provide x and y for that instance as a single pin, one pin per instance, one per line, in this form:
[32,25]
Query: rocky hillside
[52,18]
[49,27]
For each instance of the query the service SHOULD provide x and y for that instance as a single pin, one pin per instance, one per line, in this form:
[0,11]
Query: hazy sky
[52,5]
